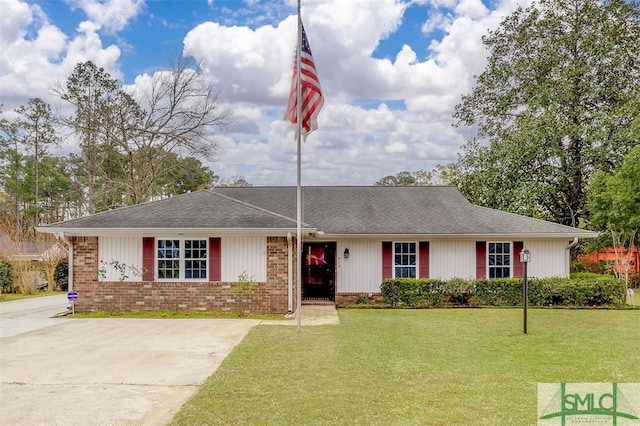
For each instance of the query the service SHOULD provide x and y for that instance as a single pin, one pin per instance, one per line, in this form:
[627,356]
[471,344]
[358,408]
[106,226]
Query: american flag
[311,93]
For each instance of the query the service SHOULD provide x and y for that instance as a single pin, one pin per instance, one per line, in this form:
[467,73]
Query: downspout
[573,243]
[568,249]
[289,276]
[64,238]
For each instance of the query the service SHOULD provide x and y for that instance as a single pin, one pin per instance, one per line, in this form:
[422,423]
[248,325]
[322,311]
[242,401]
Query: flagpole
[299,173]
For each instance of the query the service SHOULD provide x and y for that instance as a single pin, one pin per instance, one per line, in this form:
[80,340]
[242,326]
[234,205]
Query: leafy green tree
[553,106]
[236,181]
[60,194]
[36,123]
[11,173]
[406,178]
[183,175]
[614,202]
[90,92]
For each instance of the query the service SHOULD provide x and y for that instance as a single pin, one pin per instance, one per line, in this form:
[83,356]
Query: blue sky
[391,71]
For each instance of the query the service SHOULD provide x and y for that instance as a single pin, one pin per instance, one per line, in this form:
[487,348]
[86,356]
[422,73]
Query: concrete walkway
[114,371]
[72,371]
[312,315]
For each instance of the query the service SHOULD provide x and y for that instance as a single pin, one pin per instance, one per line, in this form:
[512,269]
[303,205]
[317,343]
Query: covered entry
[319,271]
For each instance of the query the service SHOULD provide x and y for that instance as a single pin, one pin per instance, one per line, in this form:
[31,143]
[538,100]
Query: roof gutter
[477,237]
[64,238]
[100,232]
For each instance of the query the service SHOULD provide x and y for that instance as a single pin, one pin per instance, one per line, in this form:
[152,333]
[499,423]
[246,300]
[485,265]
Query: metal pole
[525,297]
[299,246]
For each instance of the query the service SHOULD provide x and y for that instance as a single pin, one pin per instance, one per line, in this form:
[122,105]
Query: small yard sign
[72,296]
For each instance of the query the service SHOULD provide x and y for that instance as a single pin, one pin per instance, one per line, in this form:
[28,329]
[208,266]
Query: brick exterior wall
[352,298]
[262,297]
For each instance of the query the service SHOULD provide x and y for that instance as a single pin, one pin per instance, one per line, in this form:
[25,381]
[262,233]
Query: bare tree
[126,137]
[183,111]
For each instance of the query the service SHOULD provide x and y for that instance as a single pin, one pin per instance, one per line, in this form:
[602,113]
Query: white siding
[126,250]
[362,271]
[549,258]
[452,259]
[244,255]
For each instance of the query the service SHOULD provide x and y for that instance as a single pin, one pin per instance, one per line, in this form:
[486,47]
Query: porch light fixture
[525,258]
[346,253]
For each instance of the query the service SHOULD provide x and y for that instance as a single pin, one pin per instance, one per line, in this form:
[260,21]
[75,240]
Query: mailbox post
[525,258]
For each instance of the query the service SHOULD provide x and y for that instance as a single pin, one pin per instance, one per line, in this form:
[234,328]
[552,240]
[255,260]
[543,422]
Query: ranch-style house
[236,248]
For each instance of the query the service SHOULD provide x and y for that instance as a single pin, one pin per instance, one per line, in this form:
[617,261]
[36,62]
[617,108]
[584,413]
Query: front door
[319,271]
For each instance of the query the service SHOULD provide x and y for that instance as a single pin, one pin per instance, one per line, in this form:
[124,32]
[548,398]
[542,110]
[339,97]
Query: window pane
[194,267]
[167,255]
[499,260]
[405,260]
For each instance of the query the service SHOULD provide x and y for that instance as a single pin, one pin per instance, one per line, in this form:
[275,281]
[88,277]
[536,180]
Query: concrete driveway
[69,371]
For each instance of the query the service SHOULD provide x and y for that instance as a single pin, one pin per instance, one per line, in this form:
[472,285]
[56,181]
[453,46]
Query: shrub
[498,292]
[582,290]
[29,281]
[634,280]
[61,276]
[6,276]
[458,291]
[413,293]
[599,267]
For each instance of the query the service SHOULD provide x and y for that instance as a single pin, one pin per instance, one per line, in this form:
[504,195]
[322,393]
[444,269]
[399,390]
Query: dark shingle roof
[342,210]
[202,209]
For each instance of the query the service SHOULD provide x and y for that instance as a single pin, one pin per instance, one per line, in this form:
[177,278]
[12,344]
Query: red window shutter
[481,259]
[424,260]
[387,260]
[148,250]
[215,259]
[517,265]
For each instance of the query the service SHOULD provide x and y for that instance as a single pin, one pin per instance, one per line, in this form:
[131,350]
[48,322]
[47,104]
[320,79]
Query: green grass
[5,297]
[437,366]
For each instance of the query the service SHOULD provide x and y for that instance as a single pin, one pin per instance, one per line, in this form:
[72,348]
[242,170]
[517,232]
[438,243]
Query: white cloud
[110,15]
[35,55]
[355,144]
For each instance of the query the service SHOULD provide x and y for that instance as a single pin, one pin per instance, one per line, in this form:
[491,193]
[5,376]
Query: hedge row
[575,292]
[6,276]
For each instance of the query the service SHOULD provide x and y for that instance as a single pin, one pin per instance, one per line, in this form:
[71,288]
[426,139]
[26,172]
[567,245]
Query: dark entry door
[319,271]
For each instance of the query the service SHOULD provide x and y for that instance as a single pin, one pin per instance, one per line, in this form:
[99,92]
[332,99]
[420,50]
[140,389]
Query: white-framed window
[179,258]
[405,260]
[499,260]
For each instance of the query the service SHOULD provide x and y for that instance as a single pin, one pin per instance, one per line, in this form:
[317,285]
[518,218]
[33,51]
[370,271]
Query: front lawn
[436,366]
[6,297]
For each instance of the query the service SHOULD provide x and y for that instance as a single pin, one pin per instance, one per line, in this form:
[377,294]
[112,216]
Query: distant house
[31,251]
[193,250]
